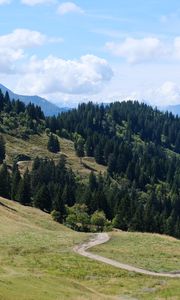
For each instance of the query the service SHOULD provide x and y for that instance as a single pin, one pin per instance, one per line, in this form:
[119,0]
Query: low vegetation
[38,262]
[152,252]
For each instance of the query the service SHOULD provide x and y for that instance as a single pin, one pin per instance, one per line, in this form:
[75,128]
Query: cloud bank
[147,49]
[52,75]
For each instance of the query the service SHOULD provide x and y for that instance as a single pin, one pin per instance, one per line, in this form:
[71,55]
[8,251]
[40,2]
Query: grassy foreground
[37,262]
[153,252]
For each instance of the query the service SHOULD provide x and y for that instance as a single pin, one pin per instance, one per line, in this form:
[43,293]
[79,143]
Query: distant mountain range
[51,109]
[47,107]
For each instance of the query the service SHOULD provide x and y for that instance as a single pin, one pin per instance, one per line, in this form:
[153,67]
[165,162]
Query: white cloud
[138,50]
[7,59]
[170,92]
[52,75]
[36,2]
[12,47]
[69,7]
[5,2]
[22,38]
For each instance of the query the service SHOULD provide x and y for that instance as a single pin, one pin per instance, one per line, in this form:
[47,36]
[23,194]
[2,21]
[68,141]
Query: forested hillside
[140,147]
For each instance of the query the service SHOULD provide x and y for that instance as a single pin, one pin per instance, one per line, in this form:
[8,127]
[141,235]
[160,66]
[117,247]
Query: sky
[98,50]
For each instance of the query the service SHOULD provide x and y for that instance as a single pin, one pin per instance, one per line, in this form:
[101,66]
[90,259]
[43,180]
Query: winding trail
[101,238]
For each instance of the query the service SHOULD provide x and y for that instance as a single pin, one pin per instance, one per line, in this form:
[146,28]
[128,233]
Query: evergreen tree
[111,163]
[42,198]
[58,205]
[53,144]
[1,101]
[89,147]
[98,154]
[5,186]
[24,189]
[7,103]
[79,147]
[92,182]
[16,177]
[2,149]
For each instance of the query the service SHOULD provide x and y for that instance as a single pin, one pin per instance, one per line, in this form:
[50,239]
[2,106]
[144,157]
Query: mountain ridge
[47,107]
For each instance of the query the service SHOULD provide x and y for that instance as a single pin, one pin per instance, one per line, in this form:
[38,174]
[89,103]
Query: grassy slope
[37,146]
[153,252]
[37,262]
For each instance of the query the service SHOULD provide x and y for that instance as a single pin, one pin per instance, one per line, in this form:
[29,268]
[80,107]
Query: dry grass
[37,146]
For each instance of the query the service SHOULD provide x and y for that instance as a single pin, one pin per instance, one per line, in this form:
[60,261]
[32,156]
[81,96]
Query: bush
[99,219]
[56,216]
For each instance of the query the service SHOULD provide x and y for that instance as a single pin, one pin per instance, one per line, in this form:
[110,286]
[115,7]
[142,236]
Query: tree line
[54,188]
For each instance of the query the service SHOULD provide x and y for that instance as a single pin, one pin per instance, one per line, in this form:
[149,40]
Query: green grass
[36,145]
[37,262]
[153,252]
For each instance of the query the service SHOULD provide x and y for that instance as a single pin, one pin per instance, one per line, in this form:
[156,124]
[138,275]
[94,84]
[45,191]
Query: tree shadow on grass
[6,206]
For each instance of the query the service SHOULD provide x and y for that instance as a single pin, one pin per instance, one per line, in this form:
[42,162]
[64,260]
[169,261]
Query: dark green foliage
[111,163]
[79,145]
[24,189]
[59,206]
[42,198]
[5,185]
[2,149]
[133,140]
[92,182]
[20,120]
[78,218]
[53,144]
[16,177]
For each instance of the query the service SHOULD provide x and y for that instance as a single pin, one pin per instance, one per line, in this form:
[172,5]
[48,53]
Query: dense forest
[139,145]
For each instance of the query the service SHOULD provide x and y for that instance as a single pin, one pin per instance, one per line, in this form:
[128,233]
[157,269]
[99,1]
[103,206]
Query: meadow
[153,252]
[37,262]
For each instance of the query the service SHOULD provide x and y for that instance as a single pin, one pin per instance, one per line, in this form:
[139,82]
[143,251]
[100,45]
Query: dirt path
[101,238]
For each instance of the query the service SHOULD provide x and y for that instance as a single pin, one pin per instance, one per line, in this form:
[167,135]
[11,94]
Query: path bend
[101,238]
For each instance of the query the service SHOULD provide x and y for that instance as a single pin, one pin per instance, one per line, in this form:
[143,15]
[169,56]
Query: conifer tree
[16,177]
[98,154]
[111,163]
[1,101]
[42,198]
[58,205]
[5,187]
[24,190]
[79,147]
[92,181]
[53,144]
[2,149]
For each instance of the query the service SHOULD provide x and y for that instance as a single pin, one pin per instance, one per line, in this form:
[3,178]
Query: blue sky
[86,50]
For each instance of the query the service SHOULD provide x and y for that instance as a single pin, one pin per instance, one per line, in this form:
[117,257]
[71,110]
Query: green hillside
[121,160]
[36,145]
[38,262]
